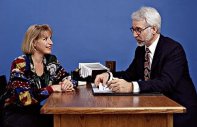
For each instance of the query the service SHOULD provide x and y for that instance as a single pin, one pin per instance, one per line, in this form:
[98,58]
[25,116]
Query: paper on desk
[81,83]
[100,89]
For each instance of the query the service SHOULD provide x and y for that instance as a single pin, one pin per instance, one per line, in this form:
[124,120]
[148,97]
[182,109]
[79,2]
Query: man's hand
[101,78]
[120,85]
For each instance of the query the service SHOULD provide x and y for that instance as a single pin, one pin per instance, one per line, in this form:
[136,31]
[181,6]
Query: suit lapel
[157,54]
[141,62]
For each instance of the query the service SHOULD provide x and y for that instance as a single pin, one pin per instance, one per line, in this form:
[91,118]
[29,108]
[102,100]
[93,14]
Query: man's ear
[154,30]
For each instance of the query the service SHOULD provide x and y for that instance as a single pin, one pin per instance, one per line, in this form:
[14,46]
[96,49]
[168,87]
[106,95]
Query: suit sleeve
[130,74]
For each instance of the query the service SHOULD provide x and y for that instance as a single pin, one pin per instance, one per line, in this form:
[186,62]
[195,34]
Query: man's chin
[140,43]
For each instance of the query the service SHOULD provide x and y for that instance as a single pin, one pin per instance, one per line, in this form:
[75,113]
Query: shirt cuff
[110,76]
[49,89]
[136,88]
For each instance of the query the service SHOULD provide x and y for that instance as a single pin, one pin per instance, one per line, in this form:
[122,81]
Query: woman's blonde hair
[33,33]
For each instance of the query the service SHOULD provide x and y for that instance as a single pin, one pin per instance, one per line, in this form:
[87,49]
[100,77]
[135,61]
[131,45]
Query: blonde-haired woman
[34,76]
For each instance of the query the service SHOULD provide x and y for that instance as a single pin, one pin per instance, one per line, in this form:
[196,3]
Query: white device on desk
[91,70]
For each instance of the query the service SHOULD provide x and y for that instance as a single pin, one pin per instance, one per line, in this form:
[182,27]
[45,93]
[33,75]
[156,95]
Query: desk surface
[82,101]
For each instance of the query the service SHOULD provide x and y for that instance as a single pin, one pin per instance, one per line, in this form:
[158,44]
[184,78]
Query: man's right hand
[101,78]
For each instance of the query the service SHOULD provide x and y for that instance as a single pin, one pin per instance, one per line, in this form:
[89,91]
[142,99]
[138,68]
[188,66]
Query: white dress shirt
[152,48]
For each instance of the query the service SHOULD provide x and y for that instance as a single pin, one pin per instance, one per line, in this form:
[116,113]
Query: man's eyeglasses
[138,30]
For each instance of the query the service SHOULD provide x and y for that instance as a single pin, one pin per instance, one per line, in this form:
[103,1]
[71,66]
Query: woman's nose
[50,42]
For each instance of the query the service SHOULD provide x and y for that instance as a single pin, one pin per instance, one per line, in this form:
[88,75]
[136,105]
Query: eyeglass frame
[139,31]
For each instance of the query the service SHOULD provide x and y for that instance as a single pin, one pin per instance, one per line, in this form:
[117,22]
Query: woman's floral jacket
[25,87]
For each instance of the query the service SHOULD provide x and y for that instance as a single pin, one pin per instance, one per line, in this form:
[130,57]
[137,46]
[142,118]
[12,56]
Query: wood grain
[82,101]
[80,108]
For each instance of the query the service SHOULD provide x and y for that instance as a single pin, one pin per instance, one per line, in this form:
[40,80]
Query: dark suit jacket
[169,73]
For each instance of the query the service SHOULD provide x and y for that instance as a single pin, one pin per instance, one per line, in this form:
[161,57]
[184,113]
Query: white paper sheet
[101,88]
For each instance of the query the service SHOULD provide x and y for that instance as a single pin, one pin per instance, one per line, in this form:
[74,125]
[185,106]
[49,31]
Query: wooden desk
[81,109]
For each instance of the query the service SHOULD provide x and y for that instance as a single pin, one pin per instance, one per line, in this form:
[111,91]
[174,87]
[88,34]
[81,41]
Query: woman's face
[43,45]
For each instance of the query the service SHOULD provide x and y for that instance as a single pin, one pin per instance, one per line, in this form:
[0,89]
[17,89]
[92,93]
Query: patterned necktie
[147,65]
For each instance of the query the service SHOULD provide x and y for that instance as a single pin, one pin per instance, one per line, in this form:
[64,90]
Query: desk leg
[170,120]
[56,121]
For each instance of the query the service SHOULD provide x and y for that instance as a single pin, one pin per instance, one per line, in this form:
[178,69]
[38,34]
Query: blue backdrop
[93,30]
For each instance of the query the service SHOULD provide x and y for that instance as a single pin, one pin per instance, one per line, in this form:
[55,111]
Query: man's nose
[135,34]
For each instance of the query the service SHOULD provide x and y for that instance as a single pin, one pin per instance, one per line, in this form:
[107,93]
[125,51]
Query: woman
[34,76]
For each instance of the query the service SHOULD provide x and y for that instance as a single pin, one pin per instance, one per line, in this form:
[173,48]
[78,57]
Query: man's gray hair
[150,15]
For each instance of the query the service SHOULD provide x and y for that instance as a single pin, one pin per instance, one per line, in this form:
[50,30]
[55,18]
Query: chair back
[3,83]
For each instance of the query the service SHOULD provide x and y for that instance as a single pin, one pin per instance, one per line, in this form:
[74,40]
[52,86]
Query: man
[159,65]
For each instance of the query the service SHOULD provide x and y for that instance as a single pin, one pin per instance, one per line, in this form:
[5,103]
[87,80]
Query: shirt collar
[152,47]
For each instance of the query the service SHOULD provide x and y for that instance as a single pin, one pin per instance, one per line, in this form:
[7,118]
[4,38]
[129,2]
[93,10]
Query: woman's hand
[66,85]
[56,88]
